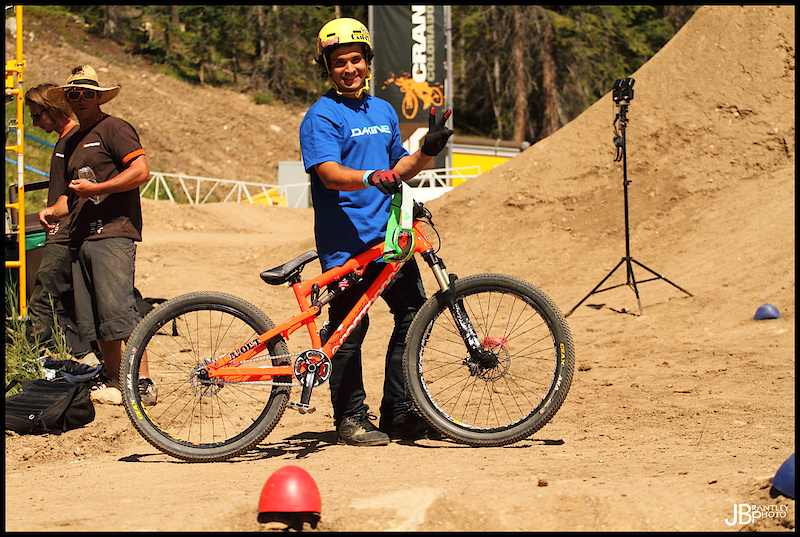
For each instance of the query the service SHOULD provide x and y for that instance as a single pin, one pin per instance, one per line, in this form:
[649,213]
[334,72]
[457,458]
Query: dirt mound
[710,150]
[185,129]
[675,415]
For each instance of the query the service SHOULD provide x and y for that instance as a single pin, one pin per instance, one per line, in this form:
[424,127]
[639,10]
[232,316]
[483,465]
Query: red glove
[387,181]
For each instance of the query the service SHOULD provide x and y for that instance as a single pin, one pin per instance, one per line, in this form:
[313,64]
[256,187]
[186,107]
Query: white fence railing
[428,184]
[443,177]
[240,190]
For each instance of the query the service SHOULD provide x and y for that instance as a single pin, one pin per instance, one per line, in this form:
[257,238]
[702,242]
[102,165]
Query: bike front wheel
[524,371]
[195,418]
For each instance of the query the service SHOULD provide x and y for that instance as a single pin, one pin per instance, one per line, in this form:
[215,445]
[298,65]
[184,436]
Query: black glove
[438,134]
[387,181]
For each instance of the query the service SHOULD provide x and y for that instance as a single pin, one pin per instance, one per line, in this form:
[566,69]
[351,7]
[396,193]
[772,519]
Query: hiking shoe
[408,426]
[360,431]
[148,391]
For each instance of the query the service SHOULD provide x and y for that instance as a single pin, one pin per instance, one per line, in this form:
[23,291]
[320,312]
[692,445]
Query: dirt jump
[678,413]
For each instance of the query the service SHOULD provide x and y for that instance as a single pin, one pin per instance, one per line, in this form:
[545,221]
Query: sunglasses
[37,116]
[74,95]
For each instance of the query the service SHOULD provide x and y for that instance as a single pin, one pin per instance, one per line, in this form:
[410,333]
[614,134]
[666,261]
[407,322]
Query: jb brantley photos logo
[745,513]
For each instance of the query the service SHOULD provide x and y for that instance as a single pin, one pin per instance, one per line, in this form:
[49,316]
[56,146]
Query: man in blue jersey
[352,149]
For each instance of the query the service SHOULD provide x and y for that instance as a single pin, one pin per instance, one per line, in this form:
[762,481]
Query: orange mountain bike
[488,359]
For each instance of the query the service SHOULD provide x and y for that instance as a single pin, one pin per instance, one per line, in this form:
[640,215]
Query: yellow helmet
[344,32]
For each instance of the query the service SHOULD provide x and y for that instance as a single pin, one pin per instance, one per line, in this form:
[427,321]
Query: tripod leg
[595,288]
[662,277]
[632,282]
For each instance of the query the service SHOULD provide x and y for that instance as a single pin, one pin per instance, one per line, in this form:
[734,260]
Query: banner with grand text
[409,69]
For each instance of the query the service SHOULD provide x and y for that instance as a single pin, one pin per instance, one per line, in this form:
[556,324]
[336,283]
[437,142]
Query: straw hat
[83,77]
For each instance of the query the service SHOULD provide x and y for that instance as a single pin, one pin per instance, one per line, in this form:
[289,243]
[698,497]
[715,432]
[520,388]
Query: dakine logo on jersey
[91,144]
[374,129]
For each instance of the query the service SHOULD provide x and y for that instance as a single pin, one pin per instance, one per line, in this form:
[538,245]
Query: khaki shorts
[102,277]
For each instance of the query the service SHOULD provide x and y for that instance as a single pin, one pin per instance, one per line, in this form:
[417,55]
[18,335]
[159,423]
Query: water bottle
[87,173]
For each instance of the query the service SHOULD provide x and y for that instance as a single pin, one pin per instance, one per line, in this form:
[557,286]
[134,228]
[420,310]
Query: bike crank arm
[304,405]
[311,368]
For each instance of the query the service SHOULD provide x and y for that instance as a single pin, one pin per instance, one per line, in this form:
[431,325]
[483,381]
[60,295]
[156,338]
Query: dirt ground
[676,413]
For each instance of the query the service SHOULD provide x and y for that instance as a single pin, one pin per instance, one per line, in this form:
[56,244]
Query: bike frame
[262,369]
[233,366]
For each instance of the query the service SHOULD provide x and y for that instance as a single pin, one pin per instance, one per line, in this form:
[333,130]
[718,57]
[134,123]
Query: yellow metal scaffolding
[14,89]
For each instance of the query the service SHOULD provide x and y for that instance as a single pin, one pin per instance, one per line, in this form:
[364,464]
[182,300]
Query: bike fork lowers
[447,286]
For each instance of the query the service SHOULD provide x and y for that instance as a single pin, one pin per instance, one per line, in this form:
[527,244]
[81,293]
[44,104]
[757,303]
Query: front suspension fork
[447,292]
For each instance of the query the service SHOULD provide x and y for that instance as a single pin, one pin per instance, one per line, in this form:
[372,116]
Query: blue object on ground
[783,481]
[767,311]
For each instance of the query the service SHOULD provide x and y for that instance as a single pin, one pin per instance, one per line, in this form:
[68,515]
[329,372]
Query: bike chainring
[316,361]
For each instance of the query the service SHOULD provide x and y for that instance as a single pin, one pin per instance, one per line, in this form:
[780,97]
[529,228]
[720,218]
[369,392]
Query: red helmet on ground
[290,490]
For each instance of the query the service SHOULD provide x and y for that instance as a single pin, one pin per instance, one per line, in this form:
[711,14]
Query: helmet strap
[356,94]
[352,94]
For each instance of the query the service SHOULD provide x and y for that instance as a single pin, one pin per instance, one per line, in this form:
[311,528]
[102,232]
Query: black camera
[623,90]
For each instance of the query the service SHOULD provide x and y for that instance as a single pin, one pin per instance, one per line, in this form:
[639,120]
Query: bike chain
[289,357]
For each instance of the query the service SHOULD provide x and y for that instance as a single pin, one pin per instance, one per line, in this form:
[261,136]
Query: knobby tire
[523,385]
[197,419]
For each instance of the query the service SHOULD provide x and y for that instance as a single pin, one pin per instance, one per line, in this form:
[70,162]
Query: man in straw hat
[104,167]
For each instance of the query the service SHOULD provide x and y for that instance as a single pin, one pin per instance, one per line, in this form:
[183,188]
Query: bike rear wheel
[196,418]
[523,378]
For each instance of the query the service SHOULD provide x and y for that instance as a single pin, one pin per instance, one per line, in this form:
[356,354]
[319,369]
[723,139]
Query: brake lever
[422,213]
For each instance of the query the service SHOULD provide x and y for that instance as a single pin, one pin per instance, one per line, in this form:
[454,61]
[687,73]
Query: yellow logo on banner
[414,92]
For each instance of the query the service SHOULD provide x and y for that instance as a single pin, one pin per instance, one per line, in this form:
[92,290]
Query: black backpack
[44,406]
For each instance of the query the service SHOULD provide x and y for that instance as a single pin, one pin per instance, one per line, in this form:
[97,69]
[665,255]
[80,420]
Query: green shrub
[260,97]
[22,351]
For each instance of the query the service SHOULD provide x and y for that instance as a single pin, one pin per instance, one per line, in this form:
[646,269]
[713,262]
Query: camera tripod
[623,95]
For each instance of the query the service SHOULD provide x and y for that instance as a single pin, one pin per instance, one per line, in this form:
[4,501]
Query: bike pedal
[301,408]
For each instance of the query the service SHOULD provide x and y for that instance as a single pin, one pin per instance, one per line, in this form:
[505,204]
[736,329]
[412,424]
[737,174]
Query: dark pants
[53,284]
[102,277]
[404,296]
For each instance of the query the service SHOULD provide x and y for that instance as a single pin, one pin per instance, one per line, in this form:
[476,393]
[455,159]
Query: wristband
[365,178]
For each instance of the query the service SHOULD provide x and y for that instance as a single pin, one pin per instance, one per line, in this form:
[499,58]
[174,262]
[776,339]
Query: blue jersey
[362,134]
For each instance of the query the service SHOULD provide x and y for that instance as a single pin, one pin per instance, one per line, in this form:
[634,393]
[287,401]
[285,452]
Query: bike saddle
[289,270]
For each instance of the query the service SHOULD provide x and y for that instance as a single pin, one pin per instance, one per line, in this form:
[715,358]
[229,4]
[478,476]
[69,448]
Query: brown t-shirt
[58,186]
[108,147]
